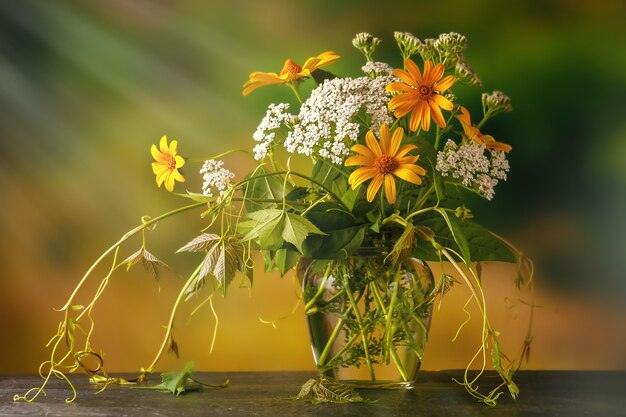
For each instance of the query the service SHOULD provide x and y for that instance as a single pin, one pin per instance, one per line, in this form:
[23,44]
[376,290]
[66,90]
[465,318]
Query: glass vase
[368,318]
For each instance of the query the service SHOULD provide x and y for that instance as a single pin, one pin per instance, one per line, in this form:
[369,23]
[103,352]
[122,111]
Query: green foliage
[180,382]
[150,262]
[335,178]
[224,257]
[342,235]
[263,187]
[273,227]
[480,244]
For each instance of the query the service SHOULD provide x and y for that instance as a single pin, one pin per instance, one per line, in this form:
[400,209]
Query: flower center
[385,164]
[171,163]
[290,68]
[424,92]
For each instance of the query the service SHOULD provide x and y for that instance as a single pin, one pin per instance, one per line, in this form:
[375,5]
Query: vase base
[363,384]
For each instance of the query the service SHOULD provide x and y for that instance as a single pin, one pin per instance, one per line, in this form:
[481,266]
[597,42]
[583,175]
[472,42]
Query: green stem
[392,351]
[170,324]
[118,243]
[296,91]
[359,319]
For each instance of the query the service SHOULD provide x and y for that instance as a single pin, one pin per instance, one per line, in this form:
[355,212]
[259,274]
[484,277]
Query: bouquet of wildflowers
[390,156]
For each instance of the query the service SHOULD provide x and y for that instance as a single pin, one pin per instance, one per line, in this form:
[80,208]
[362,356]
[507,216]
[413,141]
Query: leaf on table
[326,390]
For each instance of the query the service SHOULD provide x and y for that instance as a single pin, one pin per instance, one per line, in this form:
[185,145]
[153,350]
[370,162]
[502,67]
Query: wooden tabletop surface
[542,393]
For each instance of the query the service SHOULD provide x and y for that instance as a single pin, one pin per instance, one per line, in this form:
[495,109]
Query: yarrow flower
[383,160]
[215,177]
[290,72]
[167,164]
[276,116]
[326,123]
[421,94]
[469,164]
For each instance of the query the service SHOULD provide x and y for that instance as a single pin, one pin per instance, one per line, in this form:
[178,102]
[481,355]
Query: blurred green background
[87,87]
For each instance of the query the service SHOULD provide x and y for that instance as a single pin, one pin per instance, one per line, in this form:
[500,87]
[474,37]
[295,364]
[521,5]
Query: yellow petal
[180,161]
[435,74]
[163,146]
[414,71]
[406,77]
[396,139]
[428,67]
[360,160]
[416,118]
[372,143]
[173,147]
[361,175]
[384,139]
[407,175]
[407,160]
[445,84]
[178,176]
[425,115]
[435,113]
[390,189]
[158,168]
[374,186]
[442,102]
[412,167]
[158,156]
[162,177]
[169,183]
[398,86]
[404,150]
[363,150]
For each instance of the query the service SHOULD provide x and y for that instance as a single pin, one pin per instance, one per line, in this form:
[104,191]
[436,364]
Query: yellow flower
[381,161]
[474,134]
[290,72]
[167,163]
[421,94]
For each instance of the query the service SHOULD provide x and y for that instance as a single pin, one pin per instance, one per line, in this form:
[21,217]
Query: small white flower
[327,125]
[215,177]
[469,165]
[275,117]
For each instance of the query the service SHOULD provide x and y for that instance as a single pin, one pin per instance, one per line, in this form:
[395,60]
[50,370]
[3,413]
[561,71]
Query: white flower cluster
[376,68]
[469,164]
[276,115]
[326,125]
[215,177]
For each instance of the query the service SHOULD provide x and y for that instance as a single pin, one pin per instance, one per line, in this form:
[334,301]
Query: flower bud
[496,102]
[450,43]
[366,43]
[408,44]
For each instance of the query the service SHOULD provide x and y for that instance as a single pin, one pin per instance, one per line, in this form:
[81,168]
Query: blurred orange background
[87,87]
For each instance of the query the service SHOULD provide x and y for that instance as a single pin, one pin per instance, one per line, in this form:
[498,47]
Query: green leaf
[204,242]
[285,259]
[264,187]
[297,228]
[150,262]
[200,198]
[482,245]
[326,390]
[224,257]
[335,178]
[177,382]
[343,236]
[457,235]
[269,228]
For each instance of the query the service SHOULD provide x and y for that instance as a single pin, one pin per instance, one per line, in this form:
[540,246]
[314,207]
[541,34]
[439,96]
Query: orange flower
[167,163]
[421,94]
[290,72]
[472,133]
[381,161]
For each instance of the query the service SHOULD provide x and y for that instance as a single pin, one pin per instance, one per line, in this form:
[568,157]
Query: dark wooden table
[543,393]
